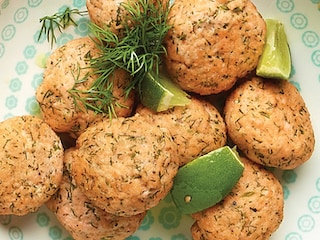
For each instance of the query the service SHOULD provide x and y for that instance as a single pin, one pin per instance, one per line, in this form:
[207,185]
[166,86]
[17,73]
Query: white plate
[21,73]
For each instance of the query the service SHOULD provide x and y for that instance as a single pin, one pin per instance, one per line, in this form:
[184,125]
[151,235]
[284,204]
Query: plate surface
[21,68]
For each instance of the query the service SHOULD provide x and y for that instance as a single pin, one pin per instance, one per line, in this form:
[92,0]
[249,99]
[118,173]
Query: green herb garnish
[58,21]
[137,51]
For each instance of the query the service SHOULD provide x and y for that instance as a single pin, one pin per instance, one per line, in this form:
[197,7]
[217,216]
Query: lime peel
[206,180]
[275,61]
[159,93]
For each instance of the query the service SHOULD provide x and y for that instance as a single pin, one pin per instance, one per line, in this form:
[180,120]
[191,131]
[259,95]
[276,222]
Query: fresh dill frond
[138,50]
[58,21]
[97,101]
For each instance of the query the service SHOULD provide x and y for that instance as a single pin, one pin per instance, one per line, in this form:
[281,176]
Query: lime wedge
[159,93]
[275,61]
[206,180]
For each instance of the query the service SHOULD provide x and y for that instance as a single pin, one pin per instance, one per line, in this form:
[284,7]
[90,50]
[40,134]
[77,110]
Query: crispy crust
[125,166]
[64,66]
[81,218]
[31,159]
[213,43]
[269,121]
[197,128]
[242,214]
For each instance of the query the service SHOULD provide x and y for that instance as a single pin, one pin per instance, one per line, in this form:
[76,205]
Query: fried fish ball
[111,13]
[108,13]
[269,121]
[213,43]
[65,66]
[252,210]
[31,160]
[197,128]
[125,166]
[81,218]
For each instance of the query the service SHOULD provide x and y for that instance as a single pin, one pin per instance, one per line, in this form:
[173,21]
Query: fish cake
[268,120]
[66,65]
[125,166]
[213,43]
[197,128]
[31,158]
[111,13]
[81,218]
[107,13]
[253,210]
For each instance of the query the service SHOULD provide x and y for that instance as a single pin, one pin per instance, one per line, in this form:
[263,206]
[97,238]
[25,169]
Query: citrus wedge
[275,61]
[159,93]
[206,180]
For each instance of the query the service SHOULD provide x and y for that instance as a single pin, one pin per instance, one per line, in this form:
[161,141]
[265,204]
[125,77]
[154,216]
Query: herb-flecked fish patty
[269,121]
[31,159]
[125,166]
[81,218]
[253,210]
[112,14]
[107,13]
[213,43]
[69,68]
[197,128]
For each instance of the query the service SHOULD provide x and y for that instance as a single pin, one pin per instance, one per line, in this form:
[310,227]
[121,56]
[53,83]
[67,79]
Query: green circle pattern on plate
[314,204]
[8,32]
[43,219]
[34,3]
[285,6]
[21,15]
[25,75]
[310,39]
[15,233]
[299,21]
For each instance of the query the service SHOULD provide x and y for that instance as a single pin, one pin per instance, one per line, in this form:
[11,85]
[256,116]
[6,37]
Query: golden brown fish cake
[125,166]
[110,13]
[31,159]
[197,128]
[65,66]
[252,211]
[213,43]
[269,121]
[81,218]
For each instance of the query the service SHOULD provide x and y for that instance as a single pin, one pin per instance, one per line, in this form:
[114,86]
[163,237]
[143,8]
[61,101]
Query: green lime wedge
[206,180]
[275,61]
[159,93]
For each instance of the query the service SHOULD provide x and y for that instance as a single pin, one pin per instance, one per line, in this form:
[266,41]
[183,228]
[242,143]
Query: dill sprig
[93,99]
[137,51]
[58,21]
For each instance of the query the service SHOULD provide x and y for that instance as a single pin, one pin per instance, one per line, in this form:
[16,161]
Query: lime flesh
[206,180]
[275,61]
[159,93]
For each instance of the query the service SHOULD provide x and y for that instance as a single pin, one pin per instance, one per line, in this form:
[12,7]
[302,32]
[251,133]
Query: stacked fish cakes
[105,172]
